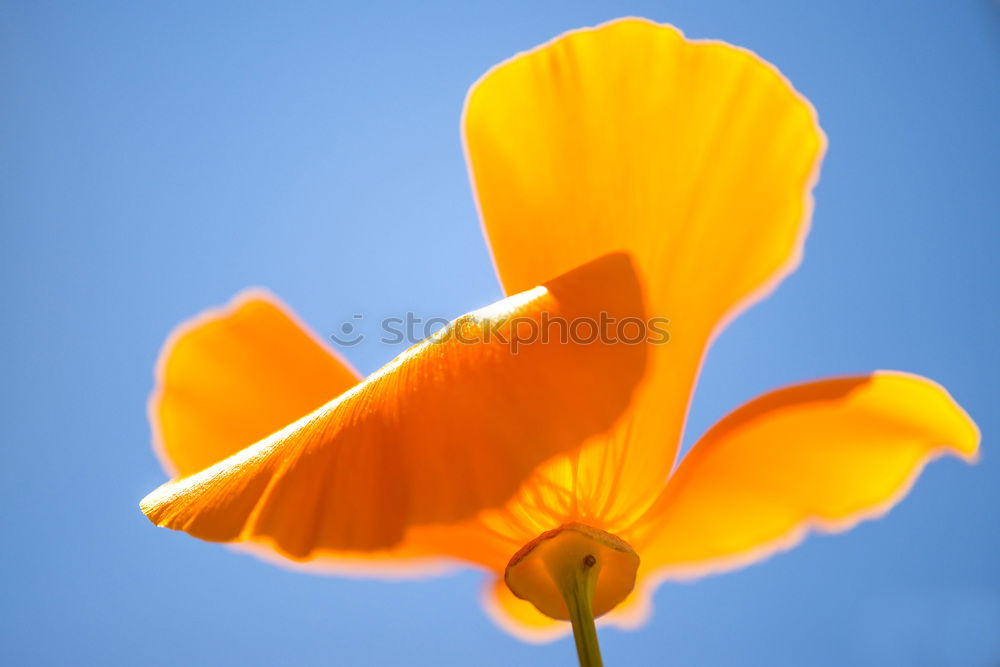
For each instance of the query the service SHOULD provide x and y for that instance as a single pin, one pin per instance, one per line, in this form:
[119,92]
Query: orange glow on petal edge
[233,376]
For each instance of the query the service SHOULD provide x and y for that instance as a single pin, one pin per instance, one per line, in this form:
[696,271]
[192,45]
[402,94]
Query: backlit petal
[235,375]
[519,617]
[450,427]
[822,455]
[696,157]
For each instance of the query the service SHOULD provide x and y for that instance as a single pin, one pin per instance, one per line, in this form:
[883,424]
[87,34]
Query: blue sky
[159,157]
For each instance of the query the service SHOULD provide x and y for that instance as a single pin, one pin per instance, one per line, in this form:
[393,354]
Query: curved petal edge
[820,456]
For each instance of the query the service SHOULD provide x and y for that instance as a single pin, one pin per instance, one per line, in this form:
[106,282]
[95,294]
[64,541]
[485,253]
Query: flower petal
[696,157]
[233,376]
[519,617]
[823,455]
[450,427]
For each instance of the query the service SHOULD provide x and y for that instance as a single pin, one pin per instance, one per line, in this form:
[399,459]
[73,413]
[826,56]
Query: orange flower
[625,170]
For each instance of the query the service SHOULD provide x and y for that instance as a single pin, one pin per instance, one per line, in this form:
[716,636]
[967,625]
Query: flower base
[575,573]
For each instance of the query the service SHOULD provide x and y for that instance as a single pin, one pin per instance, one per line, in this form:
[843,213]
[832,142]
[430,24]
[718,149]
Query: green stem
[577,588]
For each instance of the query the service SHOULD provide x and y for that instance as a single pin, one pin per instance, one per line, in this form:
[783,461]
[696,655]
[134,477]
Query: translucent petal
[822,455]
[450,427]
[235,375]
[696,157]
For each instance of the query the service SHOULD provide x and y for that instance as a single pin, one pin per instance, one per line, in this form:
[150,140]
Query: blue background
[158,157]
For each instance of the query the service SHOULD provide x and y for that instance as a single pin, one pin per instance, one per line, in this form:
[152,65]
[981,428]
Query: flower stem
[577,587]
